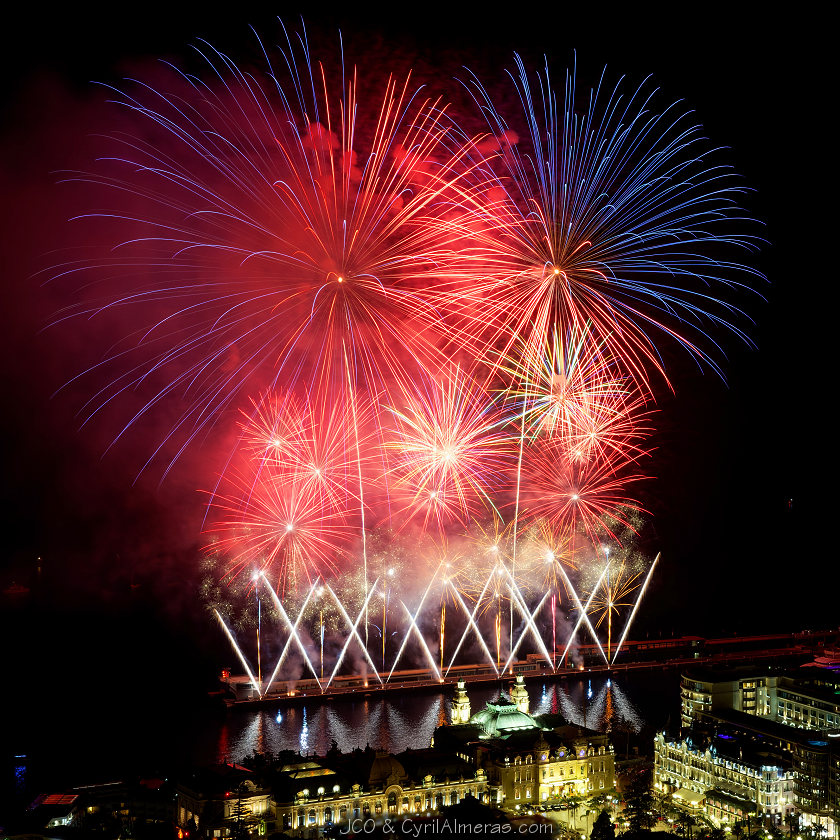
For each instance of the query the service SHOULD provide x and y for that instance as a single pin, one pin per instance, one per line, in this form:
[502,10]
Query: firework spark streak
[412,625]
[583,611]
[353,632]
[352,392]
[471,624]
[257,688]
[635,607]
[529,625]
[293,634]
[414,619]
[582,617]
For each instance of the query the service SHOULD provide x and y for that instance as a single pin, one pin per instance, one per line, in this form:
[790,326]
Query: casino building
[528,760]
[501,755]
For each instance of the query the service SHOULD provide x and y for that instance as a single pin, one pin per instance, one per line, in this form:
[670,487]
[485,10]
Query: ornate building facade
[367,785]
[717,775]
[756,742]
[528,760]
[501,755]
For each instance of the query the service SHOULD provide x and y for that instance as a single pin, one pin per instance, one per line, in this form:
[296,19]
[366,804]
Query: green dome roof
[500,718]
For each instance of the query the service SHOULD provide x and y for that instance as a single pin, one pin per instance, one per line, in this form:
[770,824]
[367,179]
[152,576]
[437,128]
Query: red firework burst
[268,232]
[327,446]
[280,526]
[573,493]
[292,502]
[576,392]
[449,450]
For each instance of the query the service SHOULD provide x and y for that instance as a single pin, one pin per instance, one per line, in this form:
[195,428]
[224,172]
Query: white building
[724,783]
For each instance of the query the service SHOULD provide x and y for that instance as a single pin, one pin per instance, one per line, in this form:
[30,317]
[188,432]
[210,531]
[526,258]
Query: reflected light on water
[408,722]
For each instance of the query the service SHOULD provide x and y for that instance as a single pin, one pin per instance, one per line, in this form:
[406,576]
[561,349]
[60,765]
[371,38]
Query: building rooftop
[501,718]
[730,744]
[728,673]
[763,727]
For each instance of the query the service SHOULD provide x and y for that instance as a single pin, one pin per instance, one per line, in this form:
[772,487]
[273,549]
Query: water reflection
[408,721]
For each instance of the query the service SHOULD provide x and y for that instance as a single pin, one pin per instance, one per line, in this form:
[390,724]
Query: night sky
[739,503]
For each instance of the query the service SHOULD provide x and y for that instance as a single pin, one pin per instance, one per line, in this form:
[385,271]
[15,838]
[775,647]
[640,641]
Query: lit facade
[806,700]
[729,785]
[529,760]
[501,755]
[761,743]
[311,795]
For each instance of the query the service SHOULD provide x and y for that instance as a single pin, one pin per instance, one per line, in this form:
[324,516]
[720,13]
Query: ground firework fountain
[413,647]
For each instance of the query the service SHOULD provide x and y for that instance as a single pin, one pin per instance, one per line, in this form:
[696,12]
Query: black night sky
[740,503]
